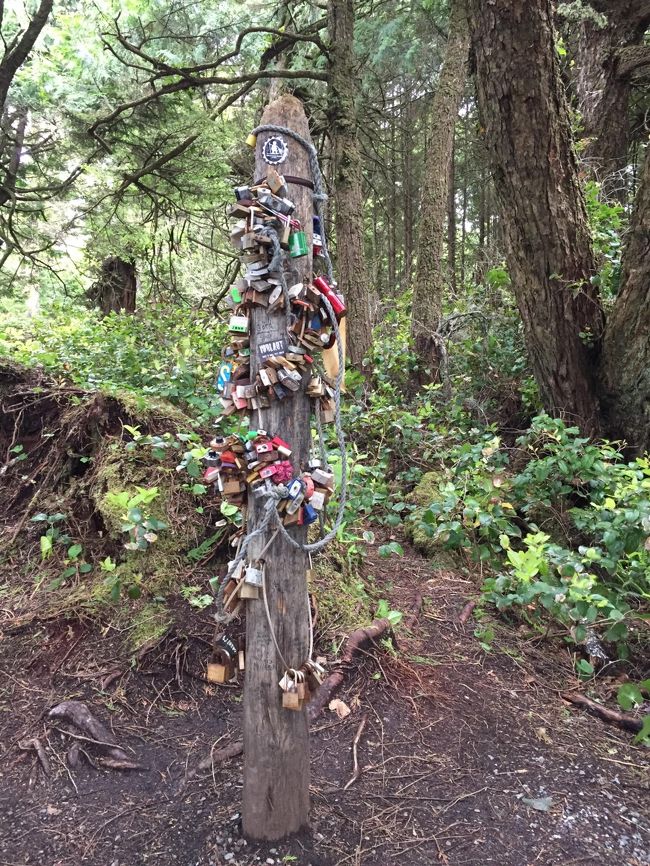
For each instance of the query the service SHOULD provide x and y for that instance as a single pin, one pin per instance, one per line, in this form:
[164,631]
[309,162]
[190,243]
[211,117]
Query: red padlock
[335,300]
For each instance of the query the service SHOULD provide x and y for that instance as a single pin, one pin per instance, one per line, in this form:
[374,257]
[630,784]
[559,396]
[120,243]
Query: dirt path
[466,757]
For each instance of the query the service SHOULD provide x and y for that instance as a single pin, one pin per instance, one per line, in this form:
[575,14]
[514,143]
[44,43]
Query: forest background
[490,219]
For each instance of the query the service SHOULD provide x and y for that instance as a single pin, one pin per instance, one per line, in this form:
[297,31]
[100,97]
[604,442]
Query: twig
[355,743]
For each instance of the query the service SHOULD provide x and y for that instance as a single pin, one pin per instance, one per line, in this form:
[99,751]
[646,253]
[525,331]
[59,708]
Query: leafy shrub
[598,571]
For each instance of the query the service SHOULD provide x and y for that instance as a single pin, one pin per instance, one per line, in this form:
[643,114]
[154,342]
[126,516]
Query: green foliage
[141,527]
[156,353]
[597,571]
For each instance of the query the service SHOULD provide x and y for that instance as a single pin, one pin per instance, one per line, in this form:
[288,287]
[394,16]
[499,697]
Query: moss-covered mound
[69,482]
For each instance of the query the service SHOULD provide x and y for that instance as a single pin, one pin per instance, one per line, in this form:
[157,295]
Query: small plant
[141,527]
[195,597]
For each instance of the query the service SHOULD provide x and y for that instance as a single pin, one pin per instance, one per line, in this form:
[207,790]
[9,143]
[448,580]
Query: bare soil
[466,757]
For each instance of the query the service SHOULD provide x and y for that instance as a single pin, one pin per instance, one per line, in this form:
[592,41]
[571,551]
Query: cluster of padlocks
[264,216]
[256,462]
[297,684]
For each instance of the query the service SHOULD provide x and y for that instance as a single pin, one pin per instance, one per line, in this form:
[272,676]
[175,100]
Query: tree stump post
[276,740]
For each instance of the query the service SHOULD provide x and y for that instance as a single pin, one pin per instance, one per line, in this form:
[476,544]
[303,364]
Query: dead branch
[35,745]
[623,720]
[224,754]
[356,770]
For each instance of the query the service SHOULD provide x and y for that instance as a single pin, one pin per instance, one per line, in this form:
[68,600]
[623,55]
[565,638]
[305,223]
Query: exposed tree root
[93,732]
[357,641]
[623,720]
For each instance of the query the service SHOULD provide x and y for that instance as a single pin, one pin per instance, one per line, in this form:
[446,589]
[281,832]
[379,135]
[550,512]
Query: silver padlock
[253,575]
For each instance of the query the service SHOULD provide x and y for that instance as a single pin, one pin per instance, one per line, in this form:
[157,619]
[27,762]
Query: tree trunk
[276,740]
[602,88]
[18,51]
[429,282]
[548,246]
[344,89]
[451,220]
[115,290]
[626,349]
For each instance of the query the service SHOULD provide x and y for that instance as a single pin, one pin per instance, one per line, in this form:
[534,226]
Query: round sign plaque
[275,150]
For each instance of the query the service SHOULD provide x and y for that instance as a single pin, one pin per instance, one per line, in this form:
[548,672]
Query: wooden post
[276,740]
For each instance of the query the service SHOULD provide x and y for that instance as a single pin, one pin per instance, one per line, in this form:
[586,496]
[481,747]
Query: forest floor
[466,757]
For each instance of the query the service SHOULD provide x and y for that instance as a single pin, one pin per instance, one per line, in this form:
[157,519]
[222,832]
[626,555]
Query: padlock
[309,514]
[297,244]
[251,140]
[295,488]
[238,324]
[322,478]
[253,575]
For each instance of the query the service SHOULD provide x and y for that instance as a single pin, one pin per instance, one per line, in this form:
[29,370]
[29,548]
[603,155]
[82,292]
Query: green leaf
[629,696]
[74,551]
[134,592]
[46,546]
[391,549]
[85,568]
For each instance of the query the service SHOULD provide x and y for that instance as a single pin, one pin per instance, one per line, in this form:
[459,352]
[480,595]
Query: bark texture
[344,89]
[115,290]
[606,59]
[429,282]
[276,740]
[626,351]
[524,113]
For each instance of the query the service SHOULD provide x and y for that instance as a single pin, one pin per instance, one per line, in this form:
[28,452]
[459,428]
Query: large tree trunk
[115,290]
[429,282]
[602,82]
[344,89]
[524,112]
[626,350]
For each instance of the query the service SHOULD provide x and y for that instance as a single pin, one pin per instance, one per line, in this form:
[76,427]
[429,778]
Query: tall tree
[626,349]
[342,111]
[429,283]
[524,112]
[608,53]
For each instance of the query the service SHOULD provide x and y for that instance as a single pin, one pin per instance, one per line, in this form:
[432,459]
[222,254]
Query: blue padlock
[309,514]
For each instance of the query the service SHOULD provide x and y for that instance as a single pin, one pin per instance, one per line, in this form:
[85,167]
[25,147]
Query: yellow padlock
[251,141]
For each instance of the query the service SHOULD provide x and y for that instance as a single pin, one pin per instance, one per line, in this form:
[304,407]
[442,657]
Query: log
[466,612]
[614,717]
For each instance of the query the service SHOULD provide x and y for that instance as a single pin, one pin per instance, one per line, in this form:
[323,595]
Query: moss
[425,493]
[149,623]
[153,412]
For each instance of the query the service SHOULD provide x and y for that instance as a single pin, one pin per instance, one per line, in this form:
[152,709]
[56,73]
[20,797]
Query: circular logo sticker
[275,150]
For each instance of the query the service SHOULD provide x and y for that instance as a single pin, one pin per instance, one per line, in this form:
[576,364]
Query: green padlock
[297,244]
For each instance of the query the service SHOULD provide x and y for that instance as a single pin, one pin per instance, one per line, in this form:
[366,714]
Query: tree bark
[344,89]
[429,282]
[115,290]
[524,113]
[602,85]
[276,740]
[626,348]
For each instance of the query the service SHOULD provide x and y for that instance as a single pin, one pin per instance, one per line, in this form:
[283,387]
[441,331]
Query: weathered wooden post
[276,740]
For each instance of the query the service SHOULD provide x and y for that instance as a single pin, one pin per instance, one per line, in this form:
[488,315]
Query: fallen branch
[623,720]
[466,612]
[416,607]
[224,754]
[357,771]
[35,745]
[356,641]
